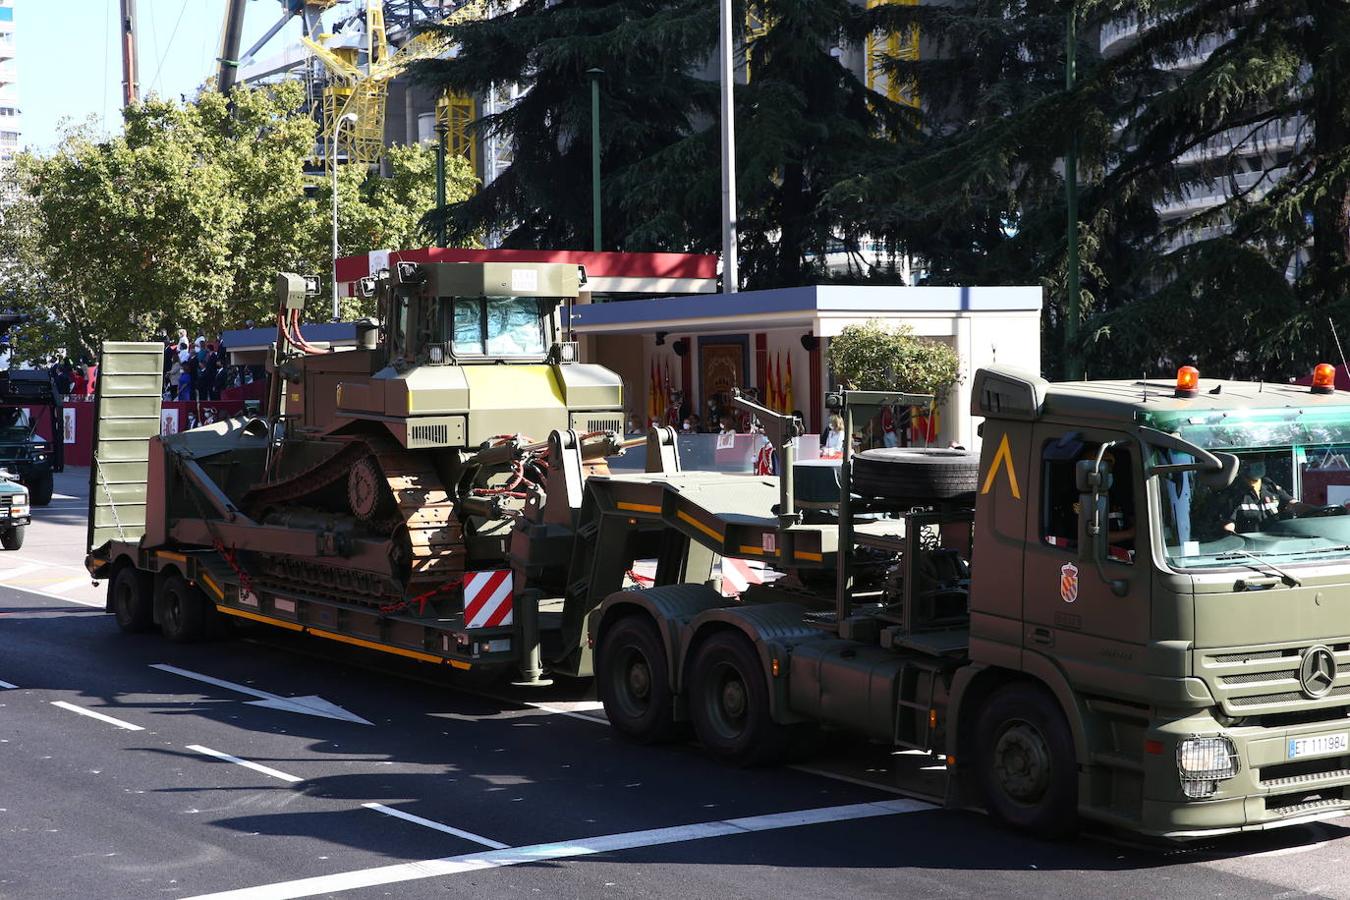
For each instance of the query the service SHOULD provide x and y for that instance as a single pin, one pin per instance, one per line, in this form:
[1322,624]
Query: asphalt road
[131,767]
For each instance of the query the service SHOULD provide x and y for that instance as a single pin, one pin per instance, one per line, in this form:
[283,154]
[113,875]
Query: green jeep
[25,453]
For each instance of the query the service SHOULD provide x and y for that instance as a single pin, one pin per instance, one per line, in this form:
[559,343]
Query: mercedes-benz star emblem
[1317,672]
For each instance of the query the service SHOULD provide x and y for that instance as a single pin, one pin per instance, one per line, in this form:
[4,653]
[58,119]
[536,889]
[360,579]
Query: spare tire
[902,473]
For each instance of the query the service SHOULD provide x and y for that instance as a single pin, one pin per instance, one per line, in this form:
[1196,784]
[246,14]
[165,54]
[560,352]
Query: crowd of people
[194,370]
[73,379]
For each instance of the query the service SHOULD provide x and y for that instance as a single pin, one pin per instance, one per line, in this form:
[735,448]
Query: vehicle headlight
[1202,762]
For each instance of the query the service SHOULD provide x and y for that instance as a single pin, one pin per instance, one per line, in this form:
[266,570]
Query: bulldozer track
[426,537]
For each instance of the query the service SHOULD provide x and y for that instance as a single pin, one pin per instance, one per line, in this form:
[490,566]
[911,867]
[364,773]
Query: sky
[70,58]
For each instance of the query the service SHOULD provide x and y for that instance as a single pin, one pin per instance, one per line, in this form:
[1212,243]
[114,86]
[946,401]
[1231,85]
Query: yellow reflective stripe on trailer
[638,507]
[256,617]
[169,554]
[710,532]
[210,582]
[398,651]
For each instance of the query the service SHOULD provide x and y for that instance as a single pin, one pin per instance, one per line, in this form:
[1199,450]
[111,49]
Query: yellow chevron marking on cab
[1002,459]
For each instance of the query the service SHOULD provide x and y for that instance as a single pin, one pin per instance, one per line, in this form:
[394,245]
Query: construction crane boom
[231,34]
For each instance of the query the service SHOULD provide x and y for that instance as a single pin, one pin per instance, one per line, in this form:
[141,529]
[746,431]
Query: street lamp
[594,75]
[726,49]
[442,131]
[337,129]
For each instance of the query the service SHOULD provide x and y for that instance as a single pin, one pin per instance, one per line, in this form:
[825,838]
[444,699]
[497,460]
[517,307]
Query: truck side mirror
[1094,481]
[1220,478]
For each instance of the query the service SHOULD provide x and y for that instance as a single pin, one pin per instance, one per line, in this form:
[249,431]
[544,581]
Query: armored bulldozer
[400,463]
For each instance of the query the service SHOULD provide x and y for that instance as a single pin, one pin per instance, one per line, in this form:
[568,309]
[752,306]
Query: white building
[10,114]
[1241,161]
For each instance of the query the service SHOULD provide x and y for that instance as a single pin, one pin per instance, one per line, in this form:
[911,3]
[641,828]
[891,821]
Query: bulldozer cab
[462,314]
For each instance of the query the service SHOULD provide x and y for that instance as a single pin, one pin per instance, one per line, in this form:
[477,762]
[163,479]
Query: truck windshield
[497,326]
[1290,502]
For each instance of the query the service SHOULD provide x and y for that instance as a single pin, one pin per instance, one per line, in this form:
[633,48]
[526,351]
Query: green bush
[875,357]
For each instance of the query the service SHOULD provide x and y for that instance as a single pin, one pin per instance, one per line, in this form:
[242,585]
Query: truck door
[1070,613]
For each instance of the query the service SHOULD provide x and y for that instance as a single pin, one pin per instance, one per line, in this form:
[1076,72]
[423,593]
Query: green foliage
[184,220]
[874,357]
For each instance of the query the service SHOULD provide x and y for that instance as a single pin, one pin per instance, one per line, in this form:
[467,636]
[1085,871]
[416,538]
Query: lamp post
[730,274]
[337,129]
[594,75]
[442,131]
[1073,313]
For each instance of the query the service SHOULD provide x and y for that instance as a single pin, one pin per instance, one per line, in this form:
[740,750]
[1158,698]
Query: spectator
[78,385]
[210,372]
[834,435]
[728,426]
[171,383]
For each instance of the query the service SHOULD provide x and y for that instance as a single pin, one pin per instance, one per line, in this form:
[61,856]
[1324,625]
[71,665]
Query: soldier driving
[1256,500]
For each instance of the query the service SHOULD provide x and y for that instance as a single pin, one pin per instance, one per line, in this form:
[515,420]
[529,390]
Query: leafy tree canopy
[875,357]
[184,219]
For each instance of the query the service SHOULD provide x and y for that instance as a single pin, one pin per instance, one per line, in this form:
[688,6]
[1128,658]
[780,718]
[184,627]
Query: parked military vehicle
[1108,614]
[31,458]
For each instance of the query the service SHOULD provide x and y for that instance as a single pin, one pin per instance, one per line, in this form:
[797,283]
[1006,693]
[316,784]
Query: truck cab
[1171,564]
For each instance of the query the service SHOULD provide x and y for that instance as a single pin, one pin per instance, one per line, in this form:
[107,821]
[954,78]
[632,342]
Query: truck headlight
[1202,762]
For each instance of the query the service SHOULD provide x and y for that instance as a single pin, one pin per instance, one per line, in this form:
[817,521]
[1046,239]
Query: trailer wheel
[632,678]
[183,611]
[41,490]
[11,538]
[132,607]
[1025,761]
[729,703]
[915,474]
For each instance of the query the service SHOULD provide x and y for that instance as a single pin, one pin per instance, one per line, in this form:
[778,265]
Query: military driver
[1256,500]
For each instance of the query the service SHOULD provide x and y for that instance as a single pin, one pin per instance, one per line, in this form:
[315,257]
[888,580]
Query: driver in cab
[1256,500]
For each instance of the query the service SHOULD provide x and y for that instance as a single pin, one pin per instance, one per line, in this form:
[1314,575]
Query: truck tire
[184,614]
[40,491]
[729,703]
[132,605]
[916,474]
[633,680]
[1025,761]
[11,538]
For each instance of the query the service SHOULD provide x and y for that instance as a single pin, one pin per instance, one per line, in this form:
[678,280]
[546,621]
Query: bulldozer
[383,472]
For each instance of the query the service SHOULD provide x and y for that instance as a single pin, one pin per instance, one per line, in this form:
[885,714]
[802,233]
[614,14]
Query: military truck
[31,458]
[1106,615]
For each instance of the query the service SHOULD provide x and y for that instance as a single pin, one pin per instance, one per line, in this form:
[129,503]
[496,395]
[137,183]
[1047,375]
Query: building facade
[11,116]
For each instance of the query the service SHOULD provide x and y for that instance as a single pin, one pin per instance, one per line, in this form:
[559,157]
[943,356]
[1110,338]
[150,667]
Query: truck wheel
[729,703]
[131,605]
[633,680]
[916,474]
[40,491]
[1025,761]
[183,612]
[12,538]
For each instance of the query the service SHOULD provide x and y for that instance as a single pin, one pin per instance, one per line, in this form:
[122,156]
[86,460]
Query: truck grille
[1265,680]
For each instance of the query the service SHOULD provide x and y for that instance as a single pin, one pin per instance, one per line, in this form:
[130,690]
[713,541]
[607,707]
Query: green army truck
[1132,606]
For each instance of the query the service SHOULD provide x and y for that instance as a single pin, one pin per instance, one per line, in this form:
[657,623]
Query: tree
[650,99]
[185,219]
[874,357]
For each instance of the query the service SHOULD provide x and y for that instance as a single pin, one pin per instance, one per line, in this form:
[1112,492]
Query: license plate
[1316,746]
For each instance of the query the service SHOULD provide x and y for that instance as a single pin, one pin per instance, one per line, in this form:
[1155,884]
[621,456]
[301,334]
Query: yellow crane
[363,92]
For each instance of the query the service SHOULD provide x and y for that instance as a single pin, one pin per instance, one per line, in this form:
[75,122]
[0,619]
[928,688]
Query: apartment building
[10,114]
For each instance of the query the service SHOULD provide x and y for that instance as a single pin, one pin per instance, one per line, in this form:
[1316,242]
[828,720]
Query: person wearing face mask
[1256,500]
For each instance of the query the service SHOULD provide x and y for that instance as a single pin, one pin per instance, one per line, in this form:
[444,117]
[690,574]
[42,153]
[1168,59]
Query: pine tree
[650,99]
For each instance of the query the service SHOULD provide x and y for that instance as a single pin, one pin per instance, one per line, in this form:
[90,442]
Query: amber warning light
[1188,381]
[1324,379]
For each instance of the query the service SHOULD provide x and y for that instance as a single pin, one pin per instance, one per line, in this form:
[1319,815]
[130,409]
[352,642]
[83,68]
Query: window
[1060,502]
[497,326]
[8,111]
[6,14]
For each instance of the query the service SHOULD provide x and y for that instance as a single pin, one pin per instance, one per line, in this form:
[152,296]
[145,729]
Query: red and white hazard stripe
[487,598]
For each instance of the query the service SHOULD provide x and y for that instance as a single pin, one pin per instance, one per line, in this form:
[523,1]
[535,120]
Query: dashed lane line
[6,573]
[96,715]
[537,853]
[436,826]
[70,584]
[247,764]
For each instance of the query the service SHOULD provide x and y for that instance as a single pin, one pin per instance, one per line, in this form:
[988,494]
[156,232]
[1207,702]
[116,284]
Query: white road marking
[310,706]
[69,584]
[428,823]
[257,767]
[536,853]
[96,715]
[570,713]
[6,686]
[6,574]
